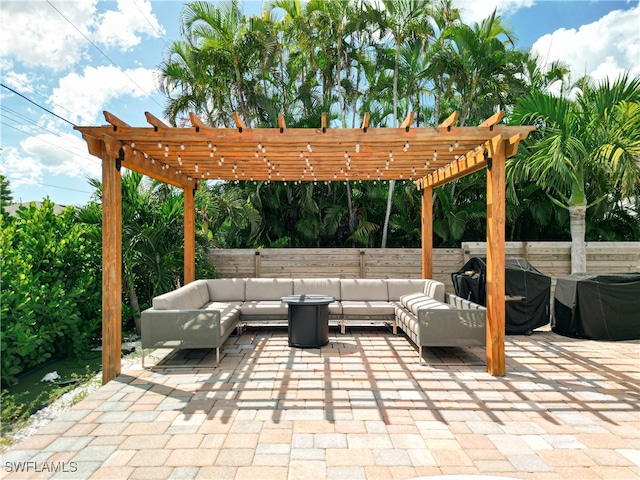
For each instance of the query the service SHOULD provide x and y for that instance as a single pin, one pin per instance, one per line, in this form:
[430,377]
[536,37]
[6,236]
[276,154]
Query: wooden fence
[551,258]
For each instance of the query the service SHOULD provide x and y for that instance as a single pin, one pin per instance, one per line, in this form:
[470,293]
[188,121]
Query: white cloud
[46,155]
[601,49]
[474,11]
[34,34]
[122,27]
[88,94]
[61,154]
[20,169]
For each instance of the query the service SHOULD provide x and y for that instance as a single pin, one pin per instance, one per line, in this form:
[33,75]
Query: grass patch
[30,394]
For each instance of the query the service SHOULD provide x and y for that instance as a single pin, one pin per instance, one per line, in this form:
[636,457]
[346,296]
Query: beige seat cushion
[226,289]
[363,289]
[318,286]
[372,307]
[264,307]
[268,288]
[414,301]
[188,297]
[402,286]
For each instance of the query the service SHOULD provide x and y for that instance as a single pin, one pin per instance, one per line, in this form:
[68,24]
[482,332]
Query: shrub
[50,289]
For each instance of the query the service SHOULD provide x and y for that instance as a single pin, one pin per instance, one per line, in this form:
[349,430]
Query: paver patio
[359,408]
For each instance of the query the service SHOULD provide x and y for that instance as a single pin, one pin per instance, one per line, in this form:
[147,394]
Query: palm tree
[481,65]
[597,135]
[401,21]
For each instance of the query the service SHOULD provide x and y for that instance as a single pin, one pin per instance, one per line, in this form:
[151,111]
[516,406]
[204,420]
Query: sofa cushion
[318,286]
[366,308]
[363,289]
[401,286]
[268,288]
[415,301]
[225,308]
[187,297]
[434,289]
[264,307]
[226,289]
[407,322]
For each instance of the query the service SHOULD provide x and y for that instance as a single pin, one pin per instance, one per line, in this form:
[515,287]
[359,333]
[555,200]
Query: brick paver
[359,408]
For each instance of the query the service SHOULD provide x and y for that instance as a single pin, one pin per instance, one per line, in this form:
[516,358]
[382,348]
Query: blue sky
[77,58]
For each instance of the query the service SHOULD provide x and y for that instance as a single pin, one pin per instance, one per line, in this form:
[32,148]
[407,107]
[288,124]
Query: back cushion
[320,286]
[435,290]
[267,288]
[401,286]
[365,289]
[190,296]
[226,289]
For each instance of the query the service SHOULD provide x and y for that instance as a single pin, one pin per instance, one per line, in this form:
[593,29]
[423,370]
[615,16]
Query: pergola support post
[427,232]
[189,236]
[111,265]
[495,283]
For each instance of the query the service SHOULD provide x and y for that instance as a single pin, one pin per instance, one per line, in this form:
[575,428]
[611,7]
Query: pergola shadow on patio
[182,157]
[358,408]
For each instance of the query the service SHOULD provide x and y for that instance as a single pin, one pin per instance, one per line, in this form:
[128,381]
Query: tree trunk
[135,308]
[577,216]
[353,220]
[392,184]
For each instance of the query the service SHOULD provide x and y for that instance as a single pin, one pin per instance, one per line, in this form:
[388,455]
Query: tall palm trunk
[577,224]
[392,183]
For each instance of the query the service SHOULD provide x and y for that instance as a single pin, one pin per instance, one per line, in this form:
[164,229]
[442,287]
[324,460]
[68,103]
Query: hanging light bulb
[196,167]
[208,144]
[181,146]
[357,147]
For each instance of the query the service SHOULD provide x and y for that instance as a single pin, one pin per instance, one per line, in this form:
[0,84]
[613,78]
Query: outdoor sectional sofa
[202,314]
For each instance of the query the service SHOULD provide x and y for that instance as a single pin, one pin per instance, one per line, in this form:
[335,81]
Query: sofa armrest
[451,327]
[180,328]
[462,303]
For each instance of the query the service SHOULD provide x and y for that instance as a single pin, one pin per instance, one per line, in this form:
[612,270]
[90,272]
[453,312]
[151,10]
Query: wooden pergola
[184,156]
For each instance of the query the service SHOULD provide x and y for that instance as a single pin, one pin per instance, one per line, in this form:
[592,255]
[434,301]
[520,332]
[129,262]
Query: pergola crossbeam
[155,121]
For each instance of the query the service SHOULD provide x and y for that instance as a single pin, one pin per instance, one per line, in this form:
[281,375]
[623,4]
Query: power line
[50,143]
[31,182]
[10,113]
[17,80]
[104,54]
[150,24]
[37,105]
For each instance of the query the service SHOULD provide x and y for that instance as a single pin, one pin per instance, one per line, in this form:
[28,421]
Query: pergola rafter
[184,156]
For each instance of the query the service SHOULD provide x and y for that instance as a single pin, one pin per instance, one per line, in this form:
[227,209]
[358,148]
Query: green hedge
[51,289]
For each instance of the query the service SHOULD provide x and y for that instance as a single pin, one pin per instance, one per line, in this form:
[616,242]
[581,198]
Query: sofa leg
[395,327]
[218,356]
[342,327]
[420,354]
[142,349]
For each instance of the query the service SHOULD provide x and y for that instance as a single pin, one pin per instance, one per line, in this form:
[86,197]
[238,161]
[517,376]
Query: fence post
[258,264]
[363,264]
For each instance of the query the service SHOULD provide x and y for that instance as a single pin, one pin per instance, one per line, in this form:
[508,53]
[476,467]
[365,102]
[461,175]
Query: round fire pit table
[308,320]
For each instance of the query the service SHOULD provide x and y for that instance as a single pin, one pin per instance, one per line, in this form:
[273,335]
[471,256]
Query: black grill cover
[598,306]
[529,289]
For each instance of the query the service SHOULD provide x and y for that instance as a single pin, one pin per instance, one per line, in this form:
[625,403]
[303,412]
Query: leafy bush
[51,290]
